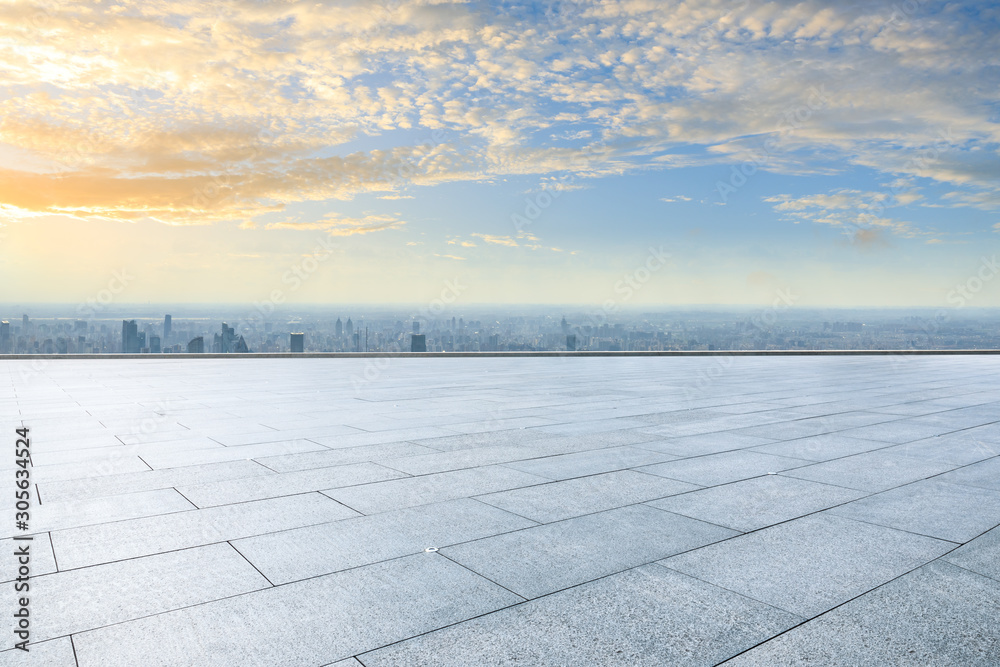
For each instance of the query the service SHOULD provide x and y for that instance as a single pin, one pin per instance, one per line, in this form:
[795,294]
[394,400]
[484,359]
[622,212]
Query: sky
[637,152]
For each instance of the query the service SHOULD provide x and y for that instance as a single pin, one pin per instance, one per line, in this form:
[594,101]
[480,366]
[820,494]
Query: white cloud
[166,111]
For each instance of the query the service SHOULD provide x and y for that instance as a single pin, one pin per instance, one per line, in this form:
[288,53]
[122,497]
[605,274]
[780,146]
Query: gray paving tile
[706,443]
[286,484]
[547,558]
[93,597]
[585,425]
[114,465]
[54,653]
[75,513]
[312,622]
[506,437]
[307,552]
[113,485]
[584,495]
[812,564]
[985,474]
[872,471]
[336,457]
[221,454]
[425,464]
[566,466]
[266,435]
[930,507]
[41,562]
[105,543]
[953,448]
[413,491]
[722,468]
[756,503]
[94,456]
[648,616]
[981,555]
[822,447]
[936,615]
[897,431]
[383,437]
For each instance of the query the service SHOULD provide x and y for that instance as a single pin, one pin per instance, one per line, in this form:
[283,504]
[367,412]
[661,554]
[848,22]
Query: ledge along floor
[491,511]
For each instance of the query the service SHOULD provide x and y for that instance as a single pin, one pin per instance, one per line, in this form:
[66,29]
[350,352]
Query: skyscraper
[225,341]
[130,337]
[339,328]
[154,345]
[350,328]
[197,345]
[5,337]
[418,343]
[298,342]
[167,326]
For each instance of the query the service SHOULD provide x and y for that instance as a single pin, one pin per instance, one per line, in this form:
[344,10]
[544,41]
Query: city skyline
[779,326]
[529,152]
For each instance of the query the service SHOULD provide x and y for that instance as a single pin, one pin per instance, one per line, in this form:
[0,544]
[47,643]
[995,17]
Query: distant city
[203,329]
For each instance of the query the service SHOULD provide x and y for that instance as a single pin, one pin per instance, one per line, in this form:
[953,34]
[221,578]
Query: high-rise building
[350,328]
[565,326]
[197,345]
[339,328]
[5,337]
[225,341]
[240,346]
[571,343]
[130,337]
[167,326]
[24,323]
[298,342]
[418,343]
[154,345]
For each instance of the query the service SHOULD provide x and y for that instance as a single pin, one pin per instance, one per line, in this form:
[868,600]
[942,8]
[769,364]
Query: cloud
[450,256]
[858,213]
[336,225]
[497,240]
[162,110]
[678,198]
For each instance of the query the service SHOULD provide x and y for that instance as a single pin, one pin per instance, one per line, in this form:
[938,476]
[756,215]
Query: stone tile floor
[521,511]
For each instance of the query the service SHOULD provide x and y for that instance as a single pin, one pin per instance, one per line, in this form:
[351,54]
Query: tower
[167,326]
[130,337]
